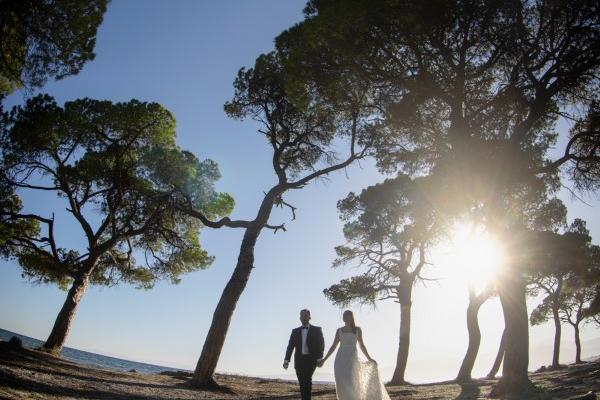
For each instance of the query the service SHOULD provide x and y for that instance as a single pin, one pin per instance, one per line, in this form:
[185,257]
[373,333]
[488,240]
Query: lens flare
[471,256]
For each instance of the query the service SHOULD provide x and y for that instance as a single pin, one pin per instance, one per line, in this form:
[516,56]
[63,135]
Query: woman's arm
[336,340]
[362,344]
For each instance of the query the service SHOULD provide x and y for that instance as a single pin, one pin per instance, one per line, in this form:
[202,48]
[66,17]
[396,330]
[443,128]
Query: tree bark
[404,296]
[577,345]
[215,339]
[514,381]
[557,334]
[64,320]
[499,357]
[464,373]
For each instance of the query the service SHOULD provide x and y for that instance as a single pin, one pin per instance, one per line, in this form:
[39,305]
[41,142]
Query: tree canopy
[389,228]
[115,161]
[46,39]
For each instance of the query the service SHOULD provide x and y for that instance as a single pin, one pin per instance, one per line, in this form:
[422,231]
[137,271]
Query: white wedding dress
[355,380]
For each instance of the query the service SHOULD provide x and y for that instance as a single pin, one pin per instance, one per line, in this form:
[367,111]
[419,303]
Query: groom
[309,344]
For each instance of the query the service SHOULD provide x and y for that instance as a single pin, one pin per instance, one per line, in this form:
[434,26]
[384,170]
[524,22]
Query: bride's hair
[348,314]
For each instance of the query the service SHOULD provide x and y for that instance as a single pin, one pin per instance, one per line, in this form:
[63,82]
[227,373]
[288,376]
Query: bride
[354,380]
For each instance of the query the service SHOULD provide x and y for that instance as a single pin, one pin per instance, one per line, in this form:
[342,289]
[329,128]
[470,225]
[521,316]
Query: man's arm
[289,350]
[321,343]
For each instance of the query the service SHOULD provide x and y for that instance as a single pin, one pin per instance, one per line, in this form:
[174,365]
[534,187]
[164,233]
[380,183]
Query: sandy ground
[31,374]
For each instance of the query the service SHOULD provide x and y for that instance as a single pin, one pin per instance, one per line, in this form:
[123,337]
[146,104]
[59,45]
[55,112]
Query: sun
[472,256]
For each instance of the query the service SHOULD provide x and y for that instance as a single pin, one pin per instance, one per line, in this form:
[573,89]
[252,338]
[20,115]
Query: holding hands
[321,361]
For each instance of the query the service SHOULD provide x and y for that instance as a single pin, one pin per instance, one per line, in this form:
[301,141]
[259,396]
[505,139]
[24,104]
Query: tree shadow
[468,391]
[291,396]
[92,378]
[212,386]
[40,388]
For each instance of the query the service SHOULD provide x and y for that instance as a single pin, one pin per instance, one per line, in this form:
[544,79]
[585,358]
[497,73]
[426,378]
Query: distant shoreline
[120,364]
[92,358]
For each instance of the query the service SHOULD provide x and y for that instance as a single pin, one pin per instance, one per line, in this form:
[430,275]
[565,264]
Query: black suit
[306,364]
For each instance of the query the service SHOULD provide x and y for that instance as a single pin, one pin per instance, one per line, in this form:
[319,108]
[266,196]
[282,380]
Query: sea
[119,364]
[93,359]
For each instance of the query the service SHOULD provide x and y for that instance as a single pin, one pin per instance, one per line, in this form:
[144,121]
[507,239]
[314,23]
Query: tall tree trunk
[464,373]
[577,345]
[64,320]
[404,297]
[557,334]
[514,381]
[499,357]
[213,345]
[557,325]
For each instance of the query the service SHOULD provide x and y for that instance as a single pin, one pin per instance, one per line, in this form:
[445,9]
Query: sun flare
[472,256]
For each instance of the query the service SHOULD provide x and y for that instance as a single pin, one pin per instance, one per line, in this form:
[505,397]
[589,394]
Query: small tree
[389,227]
[114,166]
[579,301]
[573,307]
[561,256]
[46,39]
[303,124]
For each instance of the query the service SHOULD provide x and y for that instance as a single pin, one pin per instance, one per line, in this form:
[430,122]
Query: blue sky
[184,55]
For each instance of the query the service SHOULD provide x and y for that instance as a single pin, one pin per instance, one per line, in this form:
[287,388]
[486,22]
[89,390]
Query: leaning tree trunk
[64,320]
[499,357]
[213,345]
[557,334]
[577,345]
[404,298]
[514,381]
[475,302]
[205,369]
